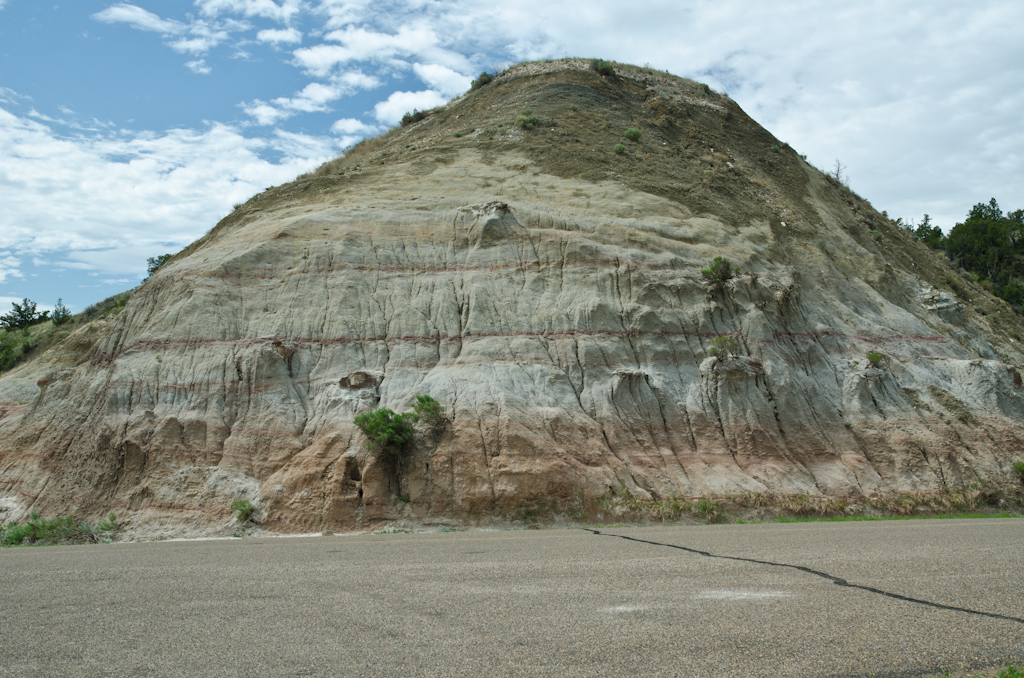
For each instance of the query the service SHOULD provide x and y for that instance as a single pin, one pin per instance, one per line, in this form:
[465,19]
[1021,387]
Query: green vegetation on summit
[988,244]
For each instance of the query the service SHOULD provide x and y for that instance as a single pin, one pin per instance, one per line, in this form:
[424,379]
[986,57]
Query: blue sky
[127,129]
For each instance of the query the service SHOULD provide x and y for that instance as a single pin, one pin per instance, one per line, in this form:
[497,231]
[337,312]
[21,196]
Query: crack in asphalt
[838,581]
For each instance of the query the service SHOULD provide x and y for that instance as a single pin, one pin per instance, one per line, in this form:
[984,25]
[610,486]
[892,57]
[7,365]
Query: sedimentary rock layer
[562,322]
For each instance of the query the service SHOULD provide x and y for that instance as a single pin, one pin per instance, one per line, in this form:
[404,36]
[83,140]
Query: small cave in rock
[357,380]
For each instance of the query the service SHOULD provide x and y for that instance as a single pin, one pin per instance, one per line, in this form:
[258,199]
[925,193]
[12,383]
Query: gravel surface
[526,603]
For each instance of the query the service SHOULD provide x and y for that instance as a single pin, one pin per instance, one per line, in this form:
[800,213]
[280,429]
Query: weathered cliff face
[560,319]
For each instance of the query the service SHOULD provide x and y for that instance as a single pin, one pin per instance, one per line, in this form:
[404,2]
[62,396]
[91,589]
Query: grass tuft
[38,530]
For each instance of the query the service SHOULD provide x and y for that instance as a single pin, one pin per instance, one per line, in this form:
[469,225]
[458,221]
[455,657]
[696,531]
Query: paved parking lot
[811,599]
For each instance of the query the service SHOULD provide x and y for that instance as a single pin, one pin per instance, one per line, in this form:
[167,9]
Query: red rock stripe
[158,344]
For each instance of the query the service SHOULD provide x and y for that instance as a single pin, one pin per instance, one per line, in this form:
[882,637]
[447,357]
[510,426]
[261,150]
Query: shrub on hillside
[428,409]
[60,314]
[719,272]
[14,345]
[388,433]
[481,80]
[633,134]
[526,119]
[154,263]
[876,359]
[1018,468]
[724,348]
[415,116]
[243,509]
[602,67]
[619,149]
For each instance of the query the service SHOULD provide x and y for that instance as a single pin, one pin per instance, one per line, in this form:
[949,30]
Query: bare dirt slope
[547,291]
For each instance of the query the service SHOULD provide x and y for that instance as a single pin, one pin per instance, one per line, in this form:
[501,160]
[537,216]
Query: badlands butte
[546,289]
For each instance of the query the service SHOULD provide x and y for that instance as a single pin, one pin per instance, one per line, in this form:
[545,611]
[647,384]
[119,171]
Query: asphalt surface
[526,603]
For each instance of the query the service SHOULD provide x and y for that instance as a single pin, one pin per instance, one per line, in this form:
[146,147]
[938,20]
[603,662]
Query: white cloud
[139,18]
[267,9]
[343,12]
[352,126]
[390,111]
[321,59]
[198,66]
[279,35]
[202,38]
[361,44]
[314,97]
[104,198]
[352,130]
[294,145]
[9,266]
[263,113]
[442,79]
[356,80]
[196,37]
[5,303]
[9,96]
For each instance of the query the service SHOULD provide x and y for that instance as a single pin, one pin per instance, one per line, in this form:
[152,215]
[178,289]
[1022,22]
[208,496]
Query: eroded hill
[545,287]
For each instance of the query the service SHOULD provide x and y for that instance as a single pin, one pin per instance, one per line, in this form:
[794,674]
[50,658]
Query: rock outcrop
[547,291]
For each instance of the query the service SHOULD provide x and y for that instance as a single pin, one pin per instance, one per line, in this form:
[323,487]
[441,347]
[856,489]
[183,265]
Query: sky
[128,129]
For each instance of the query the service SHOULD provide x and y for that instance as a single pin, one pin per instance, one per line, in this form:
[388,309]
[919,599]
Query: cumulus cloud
[278,35]
[198,66]
[362,44]
[353,126]
[390,110]
[343,12]
[110,197]
[443,79]
[314,97]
